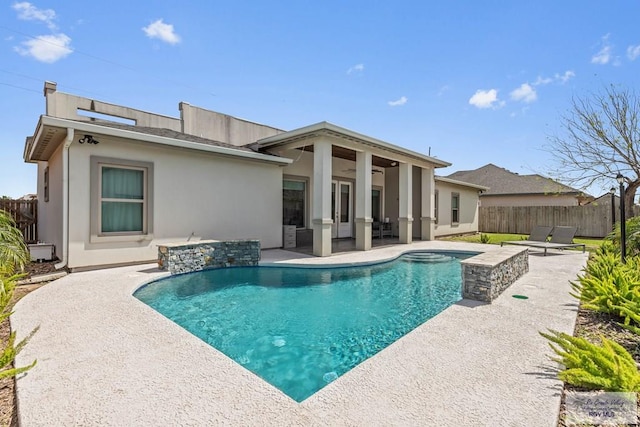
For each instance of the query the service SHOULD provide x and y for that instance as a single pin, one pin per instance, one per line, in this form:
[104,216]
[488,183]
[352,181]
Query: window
[293,202]
[455,208]
[435,206]
[121,197]
[376,199]
[46,184]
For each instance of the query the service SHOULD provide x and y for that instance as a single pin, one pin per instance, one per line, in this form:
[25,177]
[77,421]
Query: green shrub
[484,238]
[9,352]
[13,256]
[607,367]
[13,251]
[632,231]
[610,286]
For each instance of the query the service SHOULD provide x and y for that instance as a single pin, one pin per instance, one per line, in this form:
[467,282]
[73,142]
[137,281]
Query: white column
[427,195]
[363,201]
[405,221]
[321,207]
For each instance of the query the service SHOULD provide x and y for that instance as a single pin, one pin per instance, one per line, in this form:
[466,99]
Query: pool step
[425,257]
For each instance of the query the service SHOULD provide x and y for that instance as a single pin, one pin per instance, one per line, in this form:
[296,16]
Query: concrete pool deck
[105,358]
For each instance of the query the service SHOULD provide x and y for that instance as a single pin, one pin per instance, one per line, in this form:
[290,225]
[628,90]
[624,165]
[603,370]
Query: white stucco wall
[207,195]
[529,200]
[468,209]
[221,127]
[50,213]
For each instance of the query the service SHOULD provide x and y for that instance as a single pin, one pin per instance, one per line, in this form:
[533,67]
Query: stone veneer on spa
[486,276]
[196,256]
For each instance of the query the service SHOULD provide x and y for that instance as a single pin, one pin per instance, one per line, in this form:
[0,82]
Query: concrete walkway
[105,358]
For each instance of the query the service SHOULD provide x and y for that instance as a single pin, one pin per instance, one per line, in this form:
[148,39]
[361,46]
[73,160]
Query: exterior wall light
[88,139]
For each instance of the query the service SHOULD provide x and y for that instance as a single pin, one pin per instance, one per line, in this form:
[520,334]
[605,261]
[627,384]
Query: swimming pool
[301,328]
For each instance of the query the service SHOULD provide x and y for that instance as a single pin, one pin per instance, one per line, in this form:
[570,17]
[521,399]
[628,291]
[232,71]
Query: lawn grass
[496,238]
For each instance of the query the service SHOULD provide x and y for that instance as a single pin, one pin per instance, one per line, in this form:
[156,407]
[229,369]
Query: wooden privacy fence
[25,214]
[592,220]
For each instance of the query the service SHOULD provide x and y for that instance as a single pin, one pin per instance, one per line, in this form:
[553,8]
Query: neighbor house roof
[503,182]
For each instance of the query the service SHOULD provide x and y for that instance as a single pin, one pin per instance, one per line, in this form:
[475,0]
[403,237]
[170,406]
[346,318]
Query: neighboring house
[456,205]
[506,188]
[110,192]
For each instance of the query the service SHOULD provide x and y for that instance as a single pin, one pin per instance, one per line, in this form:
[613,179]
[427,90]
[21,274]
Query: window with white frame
[455,208]
[294,200]
[121,196]
[435,205]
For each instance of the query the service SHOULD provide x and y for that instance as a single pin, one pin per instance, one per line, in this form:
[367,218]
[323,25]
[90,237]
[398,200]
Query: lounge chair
[539,234]
[561,238]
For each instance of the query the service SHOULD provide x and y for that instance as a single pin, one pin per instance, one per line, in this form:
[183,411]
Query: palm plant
[632,232]
[13,251]
[13,256]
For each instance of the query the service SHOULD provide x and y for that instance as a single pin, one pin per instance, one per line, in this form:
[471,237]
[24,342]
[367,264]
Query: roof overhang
[328,129]
[51,131]
[461,183]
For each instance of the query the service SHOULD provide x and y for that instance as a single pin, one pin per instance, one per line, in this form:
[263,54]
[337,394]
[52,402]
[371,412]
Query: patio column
[427,217]
[405,221]
[363,201]
[321,208]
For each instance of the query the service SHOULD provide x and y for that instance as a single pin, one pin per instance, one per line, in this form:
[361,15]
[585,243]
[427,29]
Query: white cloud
[633,52]
[29,12]
[485,99]
[557,78]
[358,68]
[162,31]
[604,55]
[568,75]
[524,93]
[542,81]
[47,49]
[400,101]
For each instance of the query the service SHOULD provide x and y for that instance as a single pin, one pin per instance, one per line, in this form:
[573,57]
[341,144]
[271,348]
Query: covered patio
[338,169]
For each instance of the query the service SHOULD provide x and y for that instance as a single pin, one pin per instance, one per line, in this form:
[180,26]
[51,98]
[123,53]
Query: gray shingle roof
[504,182]
[167,133]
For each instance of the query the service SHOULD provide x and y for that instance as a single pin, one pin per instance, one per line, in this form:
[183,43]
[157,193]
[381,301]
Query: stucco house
[115,182]
[506,188]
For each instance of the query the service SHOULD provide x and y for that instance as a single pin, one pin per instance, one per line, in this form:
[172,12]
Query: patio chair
[381,229]
[561,238]
[540,233]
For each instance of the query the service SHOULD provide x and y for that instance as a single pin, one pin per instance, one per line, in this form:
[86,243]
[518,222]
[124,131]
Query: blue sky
[473,82]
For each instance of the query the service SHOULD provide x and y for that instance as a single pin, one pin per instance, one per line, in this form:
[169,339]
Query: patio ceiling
[347,154]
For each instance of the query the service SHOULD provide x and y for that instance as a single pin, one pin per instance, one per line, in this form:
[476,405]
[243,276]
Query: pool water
[301,328]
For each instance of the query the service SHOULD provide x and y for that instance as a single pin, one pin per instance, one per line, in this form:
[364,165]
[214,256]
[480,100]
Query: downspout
[65,199]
